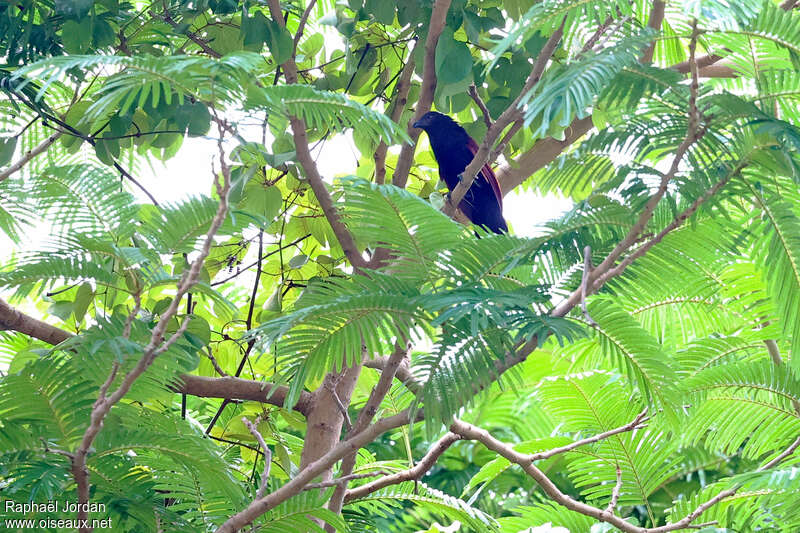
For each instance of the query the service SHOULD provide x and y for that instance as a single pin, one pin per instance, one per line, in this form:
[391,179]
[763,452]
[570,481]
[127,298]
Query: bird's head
[433,120]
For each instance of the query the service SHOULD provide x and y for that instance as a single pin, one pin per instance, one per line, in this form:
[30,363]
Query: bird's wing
[488,173]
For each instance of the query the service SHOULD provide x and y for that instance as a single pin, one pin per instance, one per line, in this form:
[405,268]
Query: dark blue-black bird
[454,150]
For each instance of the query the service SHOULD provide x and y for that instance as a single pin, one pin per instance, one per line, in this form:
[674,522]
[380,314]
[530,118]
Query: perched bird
[454,150]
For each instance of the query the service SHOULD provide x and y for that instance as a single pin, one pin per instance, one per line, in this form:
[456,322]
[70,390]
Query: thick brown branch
[205,387]
[403,373]
[702,62]
[231,388]
[365,417]
[426,93]
[15,320]
[656,19]
[540,155]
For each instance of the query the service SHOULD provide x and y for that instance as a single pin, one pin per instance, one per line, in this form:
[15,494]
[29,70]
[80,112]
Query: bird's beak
[417,124]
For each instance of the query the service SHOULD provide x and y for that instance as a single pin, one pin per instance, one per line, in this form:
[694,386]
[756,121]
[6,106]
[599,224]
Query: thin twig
[214,362]
[468,431]
[414,473]
[591,41]
[636,423]
[587,269]
[155,346]
[344,480]
[253,427]
[783,455]
[400,100]
[615,492]
[487,117]
[506,118]
[694,132]
[196,39]
[331,388]
[29,156]
[302,24]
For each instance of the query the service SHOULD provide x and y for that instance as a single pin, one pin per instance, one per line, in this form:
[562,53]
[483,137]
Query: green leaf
[453,59]
[255,30]
[61,309]
[77,35]
[106,150]
[194,117]
[380,9]
[298,261]
[83,298]
[198,331]
[103,34]
[262,200]
[279,42]
[7,147]
[73,8]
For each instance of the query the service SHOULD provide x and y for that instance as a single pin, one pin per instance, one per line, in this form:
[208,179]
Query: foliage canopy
[633,363]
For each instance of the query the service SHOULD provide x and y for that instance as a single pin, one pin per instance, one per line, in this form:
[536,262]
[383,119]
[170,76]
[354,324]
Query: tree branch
[365,416]
[201,386]
[339,481]
[302,24]
[487,117]
[296,485]
[540,155]
[414,473]
[470,432]
[636,423]
[309,166]
[403,372]
[615,492]
[546,150]
[28,156]
[605,269]
[656,19]
[156,346]
[196,39]
[511,114]
[253,428]
[398,106]
[231,388]
[426,93]
[15,320]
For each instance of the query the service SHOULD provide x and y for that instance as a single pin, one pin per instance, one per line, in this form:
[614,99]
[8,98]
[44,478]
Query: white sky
[189,173]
